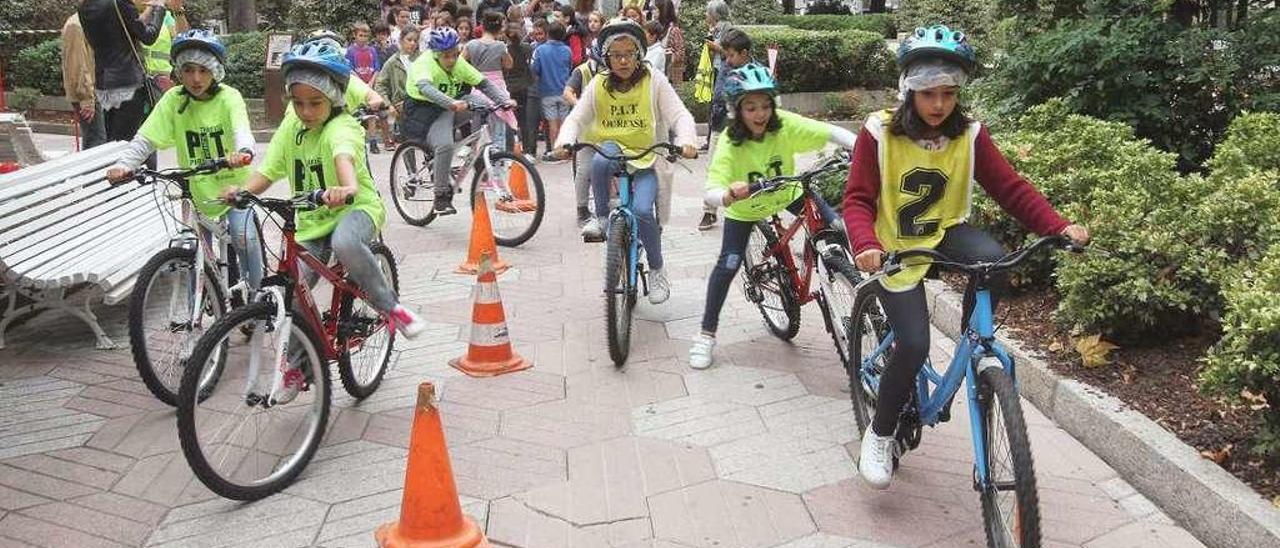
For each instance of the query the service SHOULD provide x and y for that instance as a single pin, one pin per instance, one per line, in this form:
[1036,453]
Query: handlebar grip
[317,197]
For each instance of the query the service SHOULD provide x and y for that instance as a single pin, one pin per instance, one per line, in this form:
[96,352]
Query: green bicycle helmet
[749,78]
[937,42]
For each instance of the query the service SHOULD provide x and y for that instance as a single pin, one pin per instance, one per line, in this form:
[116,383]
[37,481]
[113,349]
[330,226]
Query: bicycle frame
[977,342]
[625,195]
[811,221]
[291,269]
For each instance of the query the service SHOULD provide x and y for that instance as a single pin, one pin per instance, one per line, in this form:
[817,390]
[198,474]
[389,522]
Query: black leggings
[909,317]
[732,246]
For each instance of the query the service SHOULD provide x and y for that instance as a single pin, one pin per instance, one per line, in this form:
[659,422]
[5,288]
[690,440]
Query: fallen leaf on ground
[1093,350]
[1219,456]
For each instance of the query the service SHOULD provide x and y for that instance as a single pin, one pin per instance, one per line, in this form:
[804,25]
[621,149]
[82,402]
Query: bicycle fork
[281,327]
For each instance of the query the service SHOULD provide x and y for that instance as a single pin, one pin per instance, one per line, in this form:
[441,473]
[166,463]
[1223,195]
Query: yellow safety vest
[626,118]
[156,56]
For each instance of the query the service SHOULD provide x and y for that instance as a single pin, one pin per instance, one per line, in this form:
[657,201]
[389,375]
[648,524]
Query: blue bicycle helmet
[198,38]
[442,39]
[937,42]
[749,78]
[322,55]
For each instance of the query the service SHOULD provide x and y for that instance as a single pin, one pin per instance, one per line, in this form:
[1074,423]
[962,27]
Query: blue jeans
[245,239]
[644,193]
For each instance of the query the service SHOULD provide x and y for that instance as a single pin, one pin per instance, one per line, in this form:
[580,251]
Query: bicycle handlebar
[306,201]
[148,176]
[673,151]
[893,263]
[836,163]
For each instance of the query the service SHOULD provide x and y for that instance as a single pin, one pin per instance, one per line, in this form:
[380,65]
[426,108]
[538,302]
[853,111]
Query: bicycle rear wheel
[244,437]
[619,294]
[1010,503]
[364,338]
[869,327]
[767,283]
[162,326]
[840,296]
[412,190]
[516,202]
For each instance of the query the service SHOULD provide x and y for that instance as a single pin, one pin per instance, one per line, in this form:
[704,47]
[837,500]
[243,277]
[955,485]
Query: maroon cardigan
[1014,193]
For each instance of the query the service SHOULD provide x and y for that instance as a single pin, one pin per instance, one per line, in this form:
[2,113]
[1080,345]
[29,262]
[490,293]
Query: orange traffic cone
[489,353]
[430,516]
[482,242]
[517,181]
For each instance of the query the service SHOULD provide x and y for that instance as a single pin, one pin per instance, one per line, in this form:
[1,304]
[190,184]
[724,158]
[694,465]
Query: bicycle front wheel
[253,430]
[840,296]
[869,326]
[1010,503]
[412,190]
[164,324]
[364,338]
[767,283]
[619,294]
[513,194]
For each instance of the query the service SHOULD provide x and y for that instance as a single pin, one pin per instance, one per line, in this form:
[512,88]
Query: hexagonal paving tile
[743,385]
[812,417]
[636,385]
[725,513]
[35,421]
[513,523]
[565,424]
[788,463]
[498,467]
[696,421]
[267,522]
[519,389]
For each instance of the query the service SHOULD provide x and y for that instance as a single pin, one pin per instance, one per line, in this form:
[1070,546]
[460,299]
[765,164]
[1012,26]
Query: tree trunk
[788,7]
[875,6]
[1183,12]
[242,16]
[1242,14]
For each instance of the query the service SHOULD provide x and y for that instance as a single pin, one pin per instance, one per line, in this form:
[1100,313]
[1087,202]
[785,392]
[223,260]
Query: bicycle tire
[346,372]
[870,326]
[847,277]
[619,295]
[769,276]
[401,194]
[496,215]
[190,439]
[163,382]
[995,386]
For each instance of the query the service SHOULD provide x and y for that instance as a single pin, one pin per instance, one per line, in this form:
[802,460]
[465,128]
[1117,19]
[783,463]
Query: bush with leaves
[1252,144]
[700,111]
[246,53]
[831,186]
[308,15]
[881,23]
[1245,364]
[692,17]
[975,17]
[827,7]
[38,67]
[826,60]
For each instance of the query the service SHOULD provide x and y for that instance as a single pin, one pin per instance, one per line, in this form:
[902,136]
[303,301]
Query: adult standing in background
[77,83]
[114,29]
[156,56]
[673,40]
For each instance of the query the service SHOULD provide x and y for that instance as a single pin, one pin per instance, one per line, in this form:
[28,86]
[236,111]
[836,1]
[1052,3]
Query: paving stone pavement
[757,451]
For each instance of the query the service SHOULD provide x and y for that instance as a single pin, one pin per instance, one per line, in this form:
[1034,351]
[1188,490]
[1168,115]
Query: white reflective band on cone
[489,335]
[485,293]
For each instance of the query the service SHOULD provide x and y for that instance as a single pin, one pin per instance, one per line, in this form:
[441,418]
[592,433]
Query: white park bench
[67,234]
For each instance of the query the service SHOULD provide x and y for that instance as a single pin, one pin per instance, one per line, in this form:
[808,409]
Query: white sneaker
[659,287]
[408,323]
[293,381]
[875,460]
[700,354]
[593,231]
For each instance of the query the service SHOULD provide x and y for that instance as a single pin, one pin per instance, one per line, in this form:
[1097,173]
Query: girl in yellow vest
[760,141]
[910,185]
[628,108]
[204,120]
[321,147]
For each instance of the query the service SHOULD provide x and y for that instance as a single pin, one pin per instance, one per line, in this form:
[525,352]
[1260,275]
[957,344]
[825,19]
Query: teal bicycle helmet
[749,78]
[937,42]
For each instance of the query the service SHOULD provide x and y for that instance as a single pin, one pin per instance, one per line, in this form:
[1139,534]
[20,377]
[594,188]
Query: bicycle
[236,431]
[777,285]
[1002,451]
[181,289]
[624,268]
[515,204]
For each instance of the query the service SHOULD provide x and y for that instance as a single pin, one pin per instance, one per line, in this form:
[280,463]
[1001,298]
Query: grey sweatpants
[350,241]
[440,139]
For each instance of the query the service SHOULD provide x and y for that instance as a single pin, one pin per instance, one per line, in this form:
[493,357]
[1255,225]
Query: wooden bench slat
[44,260]
[104,262]
[39,176]
[43,214]
[83,225]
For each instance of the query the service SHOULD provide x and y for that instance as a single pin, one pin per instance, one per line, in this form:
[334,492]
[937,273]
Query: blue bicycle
[624,269]
[1003,472]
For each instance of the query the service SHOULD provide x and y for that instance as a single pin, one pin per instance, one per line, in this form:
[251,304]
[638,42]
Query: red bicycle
[251,426]
[778,286]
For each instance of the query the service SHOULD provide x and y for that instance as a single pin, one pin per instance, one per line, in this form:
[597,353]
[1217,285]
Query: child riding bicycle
[204,119]
[321,147]
[628,108]
[760,141]
[357,93]
[438,80]
[909,186]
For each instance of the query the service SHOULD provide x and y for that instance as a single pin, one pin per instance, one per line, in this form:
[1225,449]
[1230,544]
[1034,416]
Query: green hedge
[39,67]
[246,52]
[826,60]
[880,23]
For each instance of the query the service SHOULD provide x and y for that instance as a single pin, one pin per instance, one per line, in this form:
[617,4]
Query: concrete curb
[1217,508]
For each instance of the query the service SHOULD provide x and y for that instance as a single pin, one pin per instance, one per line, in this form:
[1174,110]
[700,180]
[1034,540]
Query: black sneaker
[708,221]
[584,215]
[444,206]
[373,148]
[549,157]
